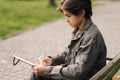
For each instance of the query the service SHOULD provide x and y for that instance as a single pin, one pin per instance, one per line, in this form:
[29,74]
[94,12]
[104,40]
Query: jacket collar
[84,28]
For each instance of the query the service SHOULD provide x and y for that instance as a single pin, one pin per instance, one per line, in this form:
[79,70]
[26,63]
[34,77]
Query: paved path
[51,39]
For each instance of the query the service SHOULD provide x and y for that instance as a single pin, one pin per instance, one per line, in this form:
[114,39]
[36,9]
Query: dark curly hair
[76,6]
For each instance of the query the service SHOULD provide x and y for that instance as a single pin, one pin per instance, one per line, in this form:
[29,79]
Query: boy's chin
[73,26]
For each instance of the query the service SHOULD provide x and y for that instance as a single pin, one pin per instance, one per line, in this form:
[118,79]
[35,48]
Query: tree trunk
[52,2]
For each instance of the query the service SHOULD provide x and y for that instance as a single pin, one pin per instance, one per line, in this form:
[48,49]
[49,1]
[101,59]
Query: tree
[52,3]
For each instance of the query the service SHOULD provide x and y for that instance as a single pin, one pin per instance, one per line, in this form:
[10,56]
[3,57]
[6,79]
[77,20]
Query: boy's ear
[82,13]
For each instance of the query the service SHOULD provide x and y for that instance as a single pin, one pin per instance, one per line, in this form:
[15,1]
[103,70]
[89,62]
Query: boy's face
[73,20]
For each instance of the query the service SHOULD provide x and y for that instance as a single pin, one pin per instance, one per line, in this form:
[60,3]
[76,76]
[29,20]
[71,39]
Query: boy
[86,53]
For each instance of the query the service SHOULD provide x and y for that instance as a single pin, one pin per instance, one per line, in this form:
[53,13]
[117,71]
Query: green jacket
[84,56]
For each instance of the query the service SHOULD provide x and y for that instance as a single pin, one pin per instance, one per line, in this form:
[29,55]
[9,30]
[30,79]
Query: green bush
[16,16]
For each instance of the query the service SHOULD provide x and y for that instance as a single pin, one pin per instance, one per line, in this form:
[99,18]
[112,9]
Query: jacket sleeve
[86,57]
[60,58]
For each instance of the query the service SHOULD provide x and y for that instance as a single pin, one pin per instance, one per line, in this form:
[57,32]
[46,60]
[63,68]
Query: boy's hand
[46,61]
[38,69]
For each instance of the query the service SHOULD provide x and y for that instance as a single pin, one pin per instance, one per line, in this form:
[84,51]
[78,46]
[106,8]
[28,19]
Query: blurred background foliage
[19,15]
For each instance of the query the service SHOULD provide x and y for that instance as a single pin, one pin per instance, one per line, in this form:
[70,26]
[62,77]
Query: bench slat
[107,72]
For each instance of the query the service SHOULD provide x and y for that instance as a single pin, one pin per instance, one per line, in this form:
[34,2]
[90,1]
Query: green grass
[19,15]
[16,16]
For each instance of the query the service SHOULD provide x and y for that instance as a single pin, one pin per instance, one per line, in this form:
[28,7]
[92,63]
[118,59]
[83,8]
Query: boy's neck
[82,23]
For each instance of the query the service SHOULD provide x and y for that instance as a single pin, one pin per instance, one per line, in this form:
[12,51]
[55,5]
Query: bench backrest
[107,72]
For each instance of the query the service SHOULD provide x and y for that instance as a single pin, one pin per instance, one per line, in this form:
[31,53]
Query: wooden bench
[107,72]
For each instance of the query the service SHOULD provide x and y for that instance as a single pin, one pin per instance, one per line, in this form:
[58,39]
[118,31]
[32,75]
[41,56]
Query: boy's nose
[66,20]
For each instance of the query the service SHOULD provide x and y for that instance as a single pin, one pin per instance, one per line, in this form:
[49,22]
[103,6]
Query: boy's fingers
[33,65]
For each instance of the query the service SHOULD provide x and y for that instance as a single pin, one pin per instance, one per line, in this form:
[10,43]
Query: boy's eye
[67,15]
